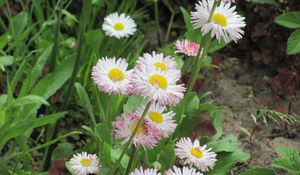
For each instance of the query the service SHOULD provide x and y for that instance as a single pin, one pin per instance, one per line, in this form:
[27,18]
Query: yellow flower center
[119,26]
[160,66]
[220,19]
[159,80]
[156,117]
[85,162]
[116,74]
[196,152]
[140,130]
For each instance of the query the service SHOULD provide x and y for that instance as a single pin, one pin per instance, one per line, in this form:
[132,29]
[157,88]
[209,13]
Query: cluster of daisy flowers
[155,77]
[189,152]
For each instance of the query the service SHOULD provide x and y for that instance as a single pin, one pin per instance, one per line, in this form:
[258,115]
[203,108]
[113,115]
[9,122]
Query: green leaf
[55,80]
[21,126]
[134,102]
[63,150]
[227,144]
[293,44]
[193,104]
[36,71]
[216,45]
[30,99]
[259,171]
[83,100]
[225,162]
[103,132]
[289,161]
[94,38]
[6,61]
[18,24]
[115,154]
[289,19]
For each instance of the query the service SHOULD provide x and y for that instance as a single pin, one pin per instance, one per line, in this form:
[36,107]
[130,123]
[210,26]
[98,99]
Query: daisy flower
[225,22]
[111,76]
[187,47]
[146,136]
[84,164]
[194,154]
[162,121]
[159,61]
[183,171]
[159,86]
[144,172]
[119,25]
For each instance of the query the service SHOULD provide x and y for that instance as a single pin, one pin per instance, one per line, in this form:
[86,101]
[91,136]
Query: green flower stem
[202,52]
[128,144]
[157,21]
[132,159]
[107,110]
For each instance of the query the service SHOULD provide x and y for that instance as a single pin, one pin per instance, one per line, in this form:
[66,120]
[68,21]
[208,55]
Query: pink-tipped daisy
[111,76]
[158,61]
[140,171]
[146,136]
[183,171]
[187,47]
[158,86]
[160,119]
[119,25]
[84,164]
[225,22]
[195,155]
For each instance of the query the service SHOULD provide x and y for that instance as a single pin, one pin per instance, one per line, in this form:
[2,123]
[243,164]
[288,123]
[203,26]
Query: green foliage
[294,43]
[6,61]
[259,171]
[226,160]
[289,160]
[271,115]
[291,20]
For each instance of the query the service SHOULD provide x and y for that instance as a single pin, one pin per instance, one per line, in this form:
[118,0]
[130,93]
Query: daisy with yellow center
[111,76]
[195,155]
[225,22]
[141,171]
[147,135]
[157,85]
[119,25]
[182,171]
[158,61]
[84,164]
[160,119]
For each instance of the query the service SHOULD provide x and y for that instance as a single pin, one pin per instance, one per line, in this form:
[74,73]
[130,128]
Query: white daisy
[162,121]
[183,171]
[144,172]
[84,164]
[158,61]
[111,76]
[119,26]
[159,86]
[225,22]
[195,155]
